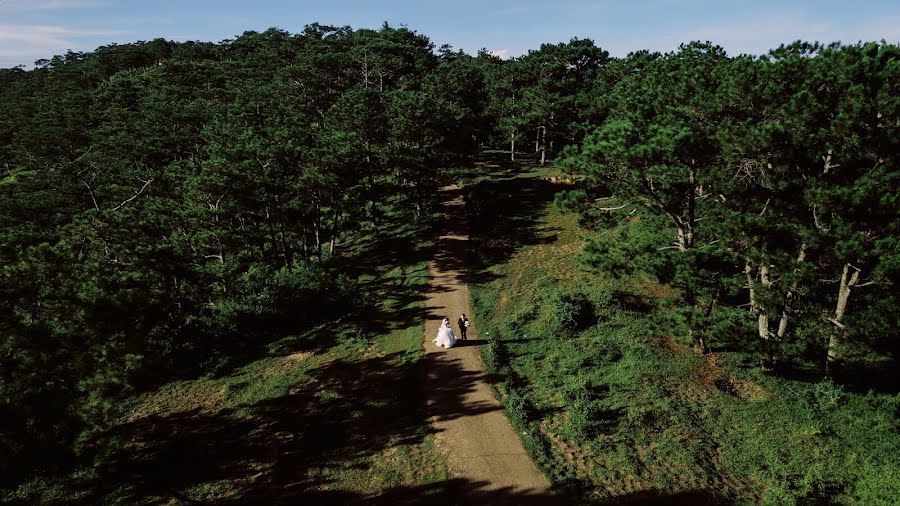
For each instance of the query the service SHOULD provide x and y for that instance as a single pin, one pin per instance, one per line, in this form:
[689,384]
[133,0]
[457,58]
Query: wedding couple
[445,337]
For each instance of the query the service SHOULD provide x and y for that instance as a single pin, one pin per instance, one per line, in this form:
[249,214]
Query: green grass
[406,340]
[334,414]
[619,408]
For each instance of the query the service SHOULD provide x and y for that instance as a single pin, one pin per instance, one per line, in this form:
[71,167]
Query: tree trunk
[762,320]
[748,270]
[366,69]
[335,231]
[690,299]
[512,147]
[681,237]
[838,333]
[543,142]
[317,232]
[791,293]
[692,207]
[288,250]
[710,309]
[701,335]
[273,236]
[373,214]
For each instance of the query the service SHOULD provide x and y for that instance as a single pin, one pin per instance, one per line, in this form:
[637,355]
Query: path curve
[481,447]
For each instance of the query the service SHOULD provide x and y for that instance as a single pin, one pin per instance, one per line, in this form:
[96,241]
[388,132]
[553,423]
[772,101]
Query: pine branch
[129,199]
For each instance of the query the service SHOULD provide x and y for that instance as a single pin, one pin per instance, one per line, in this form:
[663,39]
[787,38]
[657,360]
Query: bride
[445,336]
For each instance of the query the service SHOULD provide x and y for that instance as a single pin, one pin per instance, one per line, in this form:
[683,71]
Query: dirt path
[482,449]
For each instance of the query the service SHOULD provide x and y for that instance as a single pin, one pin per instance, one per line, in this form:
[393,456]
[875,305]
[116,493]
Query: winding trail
[482,449]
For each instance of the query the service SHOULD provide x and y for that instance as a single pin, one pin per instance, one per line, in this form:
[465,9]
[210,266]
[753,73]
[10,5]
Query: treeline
[163,205]
[765,188]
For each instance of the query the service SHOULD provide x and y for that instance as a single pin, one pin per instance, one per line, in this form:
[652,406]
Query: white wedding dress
[445,337]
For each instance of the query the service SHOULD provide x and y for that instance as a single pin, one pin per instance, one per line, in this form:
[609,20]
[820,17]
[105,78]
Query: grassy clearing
[335,414]
[613,407]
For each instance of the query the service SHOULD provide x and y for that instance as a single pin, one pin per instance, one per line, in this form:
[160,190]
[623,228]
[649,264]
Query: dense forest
[165,205]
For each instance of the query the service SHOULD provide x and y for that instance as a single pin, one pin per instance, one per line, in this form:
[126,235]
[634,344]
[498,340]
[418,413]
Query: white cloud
[503,54]
[23,44]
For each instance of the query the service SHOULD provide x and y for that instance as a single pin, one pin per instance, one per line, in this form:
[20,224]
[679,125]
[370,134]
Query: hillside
[215,277]
[615,409]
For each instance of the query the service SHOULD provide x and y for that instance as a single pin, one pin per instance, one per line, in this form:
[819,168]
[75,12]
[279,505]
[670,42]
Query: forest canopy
[161,203]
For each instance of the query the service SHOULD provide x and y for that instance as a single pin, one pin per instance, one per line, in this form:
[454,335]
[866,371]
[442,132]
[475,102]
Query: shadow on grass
[377,303]
[289,449]
[461,491]
[857,377]
[504,210]
[863,377]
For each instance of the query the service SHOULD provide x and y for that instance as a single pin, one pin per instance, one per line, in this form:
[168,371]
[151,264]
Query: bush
[586,417]
[301,294]
[497,357]
[827,396]
[519,408]
[572,200]
[571,312]
[877,484]
[523,415]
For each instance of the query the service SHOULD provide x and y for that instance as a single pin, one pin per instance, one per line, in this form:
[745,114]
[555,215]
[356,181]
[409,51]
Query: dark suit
[462,327]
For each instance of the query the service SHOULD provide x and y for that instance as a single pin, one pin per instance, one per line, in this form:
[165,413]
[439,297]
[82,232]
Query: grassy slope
[620,410]
[333,415]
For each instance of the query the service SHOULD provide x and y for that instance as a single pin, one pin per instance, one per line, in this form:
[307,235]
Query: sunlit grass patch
[405,338]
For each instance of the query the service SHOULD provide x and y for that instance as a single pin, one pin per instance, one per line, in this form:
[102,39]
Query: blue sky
[33,29]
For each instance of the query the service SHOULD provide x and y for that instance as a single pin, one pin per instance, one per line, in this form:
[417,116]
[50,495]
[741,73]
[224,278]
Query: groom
[463,324]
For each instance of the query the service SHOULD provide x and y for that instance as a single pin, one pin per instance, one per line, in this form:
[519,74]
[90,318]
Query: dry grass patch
[748,390]
[178,397]
[286,364]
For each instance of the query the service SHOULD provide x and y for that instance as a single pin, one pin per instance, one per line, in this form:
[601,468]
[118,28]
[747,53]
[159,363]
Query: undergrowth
[612,401]
[331,414]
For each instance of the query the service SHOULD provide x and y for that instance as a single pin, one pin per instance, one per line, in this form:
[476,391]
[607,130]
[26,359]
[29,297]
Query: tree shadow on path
[286,450]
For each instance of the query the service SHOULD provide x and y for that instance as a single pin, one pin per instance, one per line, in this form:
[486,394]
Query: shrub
[571,312]
[571,200]
[877,484]
[519,408]
[827,396]
[497,357]
[585,414]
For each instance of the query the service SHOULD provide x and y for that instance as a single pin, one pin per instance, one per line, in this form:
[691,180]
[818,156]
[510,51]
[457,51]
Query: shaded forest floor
[334,414]
[619,410]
